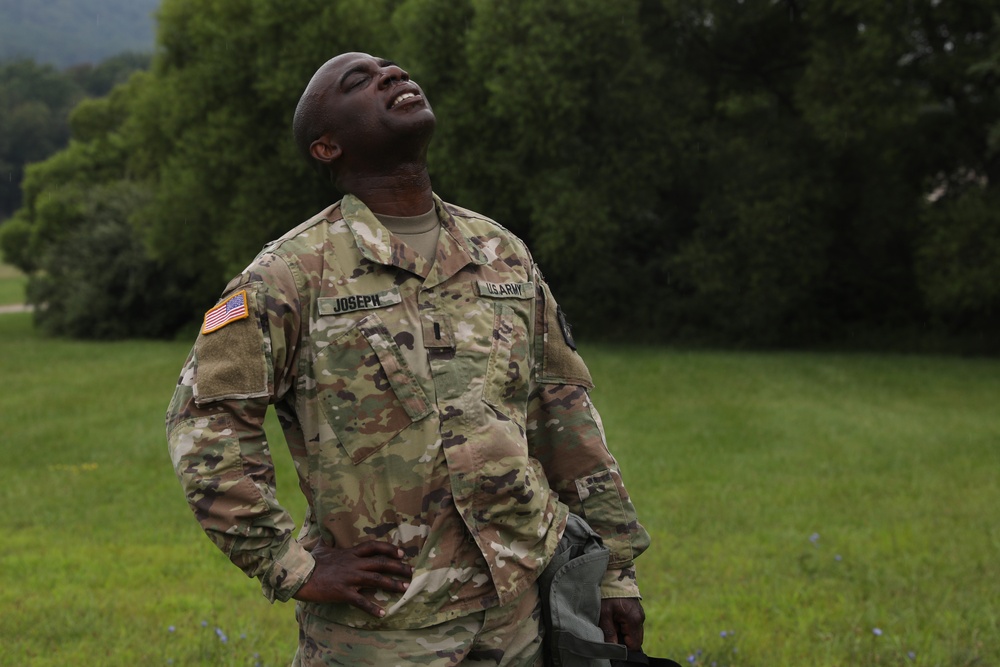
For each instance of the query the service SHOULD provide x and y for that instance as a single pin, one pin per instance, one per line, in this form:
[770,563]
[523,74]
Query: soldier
[431,396]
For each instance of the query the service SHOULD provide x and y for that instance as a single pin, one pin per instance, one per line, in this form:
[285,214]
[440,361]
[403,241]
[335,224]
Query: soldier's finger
[383,565]
[606,623]
[374,548]
[376,580]
[364,604]
[631,620]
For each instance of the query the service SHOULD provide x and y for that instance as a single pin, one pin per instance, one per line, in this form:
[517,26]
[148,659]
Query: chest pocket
[365,390]
[506,384]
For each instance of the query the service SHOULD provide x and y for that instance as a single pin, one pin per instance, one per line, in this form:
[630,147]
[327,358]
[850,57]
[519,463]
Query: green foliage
[958,248]
[958,255]
[34,103]
[759,172]
[90,274]
[217,127]
[96,280]
[74,32]
[97,80]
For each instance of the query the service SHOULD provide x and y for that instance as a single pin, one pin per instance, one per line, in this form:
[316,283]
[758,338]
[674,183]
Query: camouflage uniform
[506,636]
[437,406]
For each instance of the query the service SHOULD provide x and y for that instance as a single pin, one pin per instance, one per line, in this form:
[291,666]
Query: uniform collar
[455,249]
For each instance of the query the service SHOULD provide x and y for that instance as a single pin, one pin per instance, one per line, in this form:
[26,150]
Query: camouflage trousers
[507,636]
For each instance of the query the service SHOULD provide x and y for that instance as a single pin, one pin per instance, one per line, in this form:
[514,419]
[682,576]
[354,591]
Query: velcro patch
[338,305]
[507,290]
[232,362]
[232,309]
[560,361]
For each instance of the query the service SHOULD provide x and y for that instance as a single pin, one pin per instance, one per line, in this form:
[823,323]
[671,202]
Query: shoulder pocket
[231,358]
[366,392]
[560,363]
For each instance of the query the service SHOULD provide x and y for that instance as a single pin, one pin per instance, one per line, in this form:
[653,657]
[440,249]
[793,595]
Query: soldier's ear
[325,149]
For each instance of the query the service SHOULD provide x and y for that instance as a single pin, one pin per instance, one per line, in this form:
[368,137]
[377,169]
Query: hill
[72,32]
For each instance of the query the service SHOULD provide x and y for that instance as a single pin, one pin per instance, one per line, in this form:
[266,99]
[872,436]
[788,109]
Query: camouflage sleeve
[215,427]
[566,435]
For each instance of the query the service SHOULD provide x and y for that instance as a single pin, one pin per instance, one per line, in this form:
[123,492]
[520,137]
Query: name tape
[338,305]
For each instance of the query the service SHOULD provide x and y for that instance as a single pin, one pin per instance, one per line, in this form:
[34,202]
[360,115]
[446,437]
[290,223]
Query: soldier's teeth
[404,96]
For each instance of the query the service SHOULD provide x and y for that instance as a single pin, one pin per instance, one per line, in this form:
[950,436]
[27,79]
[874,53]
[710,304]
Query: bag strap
[618,654]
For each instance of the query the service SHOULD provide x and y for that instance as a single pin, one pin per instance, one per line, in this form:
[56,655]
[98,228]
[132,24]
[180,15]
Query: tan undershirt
[419,232]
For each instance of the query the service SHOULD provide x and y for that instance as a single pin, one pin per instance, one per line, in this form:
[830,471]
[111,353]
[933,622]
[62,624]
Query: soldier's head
[363,114]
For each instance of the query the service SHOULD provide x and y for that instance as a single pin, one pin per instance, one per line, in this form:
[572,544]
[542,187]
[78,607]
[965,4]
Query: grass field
[12,284]
[806,509]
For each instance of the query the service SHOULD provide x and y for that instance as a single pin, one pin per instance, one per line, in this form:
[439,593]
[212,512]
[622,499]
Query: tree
[216,128]
[34,103]
[763,172]
[958,245]
[90,274]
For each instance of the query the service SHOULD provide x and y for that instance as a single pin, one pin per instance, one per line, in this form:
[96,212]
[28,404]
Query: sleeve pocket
[206,455]
[232,361]
[604,511]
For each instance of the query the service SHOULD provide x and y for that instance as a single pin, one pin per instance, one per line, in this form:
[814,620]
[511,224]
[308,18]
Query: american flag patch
[232,309]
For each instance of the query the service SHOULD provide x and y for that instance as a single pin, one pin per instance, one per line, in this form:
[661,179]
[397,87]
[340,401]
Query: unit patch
[338,305]
[232,309]
[507,290]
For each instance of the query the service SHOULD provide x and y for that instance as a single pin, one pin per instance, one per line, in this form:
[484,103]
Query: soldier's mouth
[402,97]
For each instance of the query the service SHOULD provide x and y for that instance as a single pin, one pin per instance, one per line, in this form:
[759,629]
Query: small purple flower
[691,659]
[243,635]
[911,655]
[171,629]
[723,634]
[204,624]
[877,632]
[814,538]
[837,558]
[222,635]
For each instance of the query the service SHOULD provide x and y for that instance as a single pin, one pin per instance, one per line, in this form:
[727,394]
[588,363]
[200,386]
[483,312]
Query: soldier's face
[371,102]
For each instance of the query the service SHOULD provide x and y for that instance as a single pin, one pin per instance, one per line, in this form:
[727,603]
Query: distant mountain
[72,32]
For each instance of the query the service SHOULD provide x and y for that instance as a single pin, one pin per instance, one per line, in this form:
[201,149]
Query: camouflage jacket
[437,405]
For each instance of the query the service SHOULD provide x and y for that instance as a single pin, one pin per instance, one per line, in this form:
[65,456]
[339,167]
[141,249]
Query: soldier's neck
[405,192]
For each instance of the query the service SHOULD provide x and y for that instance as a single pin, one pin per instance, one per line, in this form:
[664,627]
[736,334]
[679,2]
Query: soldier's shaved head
[310,122]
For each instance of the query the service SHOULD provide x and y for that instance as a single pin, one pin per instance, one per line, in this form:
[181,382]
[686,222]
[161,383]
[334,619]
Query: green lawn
[12,284]
[798,502]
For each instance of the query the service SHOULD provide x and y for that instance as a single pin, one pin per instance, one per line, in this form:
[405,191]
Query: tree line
[752,172]
[35,103]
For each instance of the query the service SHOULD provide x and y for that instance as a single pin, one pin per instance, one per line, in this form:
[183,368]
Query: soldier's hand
[341,574]
[621,621]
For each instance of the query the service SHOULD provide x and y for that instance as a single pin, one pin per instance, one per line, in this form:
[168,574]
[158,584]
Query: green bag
[570,588]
